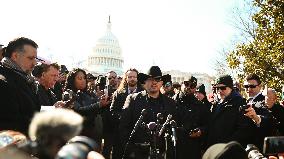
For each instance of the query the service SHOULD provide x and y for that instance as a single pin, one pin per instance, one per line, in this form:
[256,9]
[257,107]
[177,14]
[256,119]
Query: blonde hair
[56,124]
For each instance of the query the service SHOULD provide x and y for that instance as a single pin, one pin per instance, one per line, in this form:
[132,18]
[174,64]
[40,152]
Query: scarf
[7,62]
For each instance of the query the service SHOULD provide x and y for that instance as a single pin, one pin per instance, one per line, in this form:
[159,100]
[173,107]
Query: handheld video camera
[273,145]
[69,97]
[78,147]
[101,82]
[243,108]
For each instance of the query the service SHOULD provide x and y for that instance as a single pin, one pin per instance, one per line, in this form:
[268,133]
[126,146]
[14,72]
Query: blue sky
[181,35]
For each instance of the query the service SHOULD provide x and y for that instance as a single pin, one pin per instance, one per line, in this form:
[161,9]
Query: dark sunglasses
[250,86]
[154,79]
[168,84]
[221,88]
[190,85]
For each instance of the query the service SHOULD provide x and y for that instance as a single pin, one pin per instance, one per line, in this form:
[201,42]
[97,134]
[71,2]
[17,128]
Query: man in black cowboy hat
[194,118]
[154,103]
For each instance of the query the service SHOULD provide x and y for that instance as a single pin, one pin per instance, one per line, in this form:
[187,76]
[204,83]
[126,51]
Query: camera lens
[78,147]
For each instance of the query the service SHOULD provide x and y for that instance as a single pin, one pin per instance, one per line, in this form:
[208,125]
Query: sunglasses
[250,86]
[190,85]
[154,79]
[221,88]
[168,84]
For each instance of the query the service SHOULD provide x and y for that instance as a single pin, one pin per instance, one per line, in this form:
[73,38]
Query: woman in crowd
[85,104]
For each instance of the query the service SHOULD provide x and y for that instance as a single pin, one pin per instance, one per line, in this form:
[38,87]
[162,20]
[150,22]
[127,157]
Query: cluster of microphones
[157,128]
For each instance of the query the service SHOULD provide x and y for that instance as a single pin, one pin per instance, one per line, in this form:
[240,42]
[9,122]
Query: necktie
[249,99]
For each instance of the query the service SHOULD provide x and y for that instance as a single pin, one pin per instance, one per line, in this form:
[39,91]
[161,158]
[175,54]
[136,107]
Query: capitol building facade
[106,55]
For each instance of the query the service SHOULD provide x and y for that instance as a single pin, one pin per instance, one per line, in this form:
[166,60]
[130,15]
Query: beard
[132,84]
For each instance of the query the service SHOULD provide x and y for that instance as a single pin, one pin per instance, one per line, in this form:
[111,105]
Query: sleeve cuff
[258,122]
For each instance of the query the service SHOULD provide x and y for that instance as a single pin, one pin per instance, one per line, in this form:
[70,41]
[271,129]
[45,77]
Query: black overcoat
[19,100]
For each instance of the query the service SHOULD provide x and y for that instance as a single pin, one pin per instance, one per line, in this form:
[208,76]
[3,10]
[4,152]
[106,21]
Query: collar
[129,91]
[7,62]
[252,98]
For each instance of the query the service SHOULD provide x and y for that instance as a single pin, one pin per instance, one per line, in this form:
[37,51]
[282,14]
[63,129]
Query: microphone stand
[166,144]
[154,151]
[174,137]
[137,124]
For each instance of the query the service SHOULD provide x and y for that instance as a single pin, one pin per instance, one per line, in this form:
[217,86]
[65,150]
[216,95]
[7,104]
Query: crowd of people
[60,113]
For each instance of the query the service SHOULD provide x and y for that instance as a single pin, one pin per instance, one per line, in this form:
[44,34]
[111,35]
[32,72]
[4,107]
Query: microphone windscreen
[152,126]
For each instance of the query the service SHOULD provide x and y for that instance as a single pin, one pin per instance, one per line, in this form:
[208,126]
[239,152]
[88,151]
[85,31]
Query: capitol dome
[106,55]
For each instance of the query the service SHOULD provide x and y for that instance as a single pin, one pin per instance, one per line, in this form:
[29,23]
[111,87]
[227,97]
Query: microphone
[138,122]
[159,118]
[174,135]
[152,126]
[169,117]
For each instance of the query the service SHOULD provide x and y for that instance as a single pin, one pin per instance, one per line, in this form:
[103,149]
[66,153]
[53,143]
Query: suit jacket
[278,113]
[118,101]
[46,97]
[133,106]
[227,123]
[192,114]
[267,125]
[19,101]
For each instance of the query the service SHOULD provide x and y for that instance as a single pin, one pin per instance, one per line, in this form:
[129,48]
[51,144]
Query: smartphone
[273,145]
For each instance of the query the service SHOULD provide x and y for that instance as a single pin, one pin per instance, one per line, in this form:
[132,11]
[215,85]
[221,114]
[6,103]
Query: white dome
[106,54]
[108,39]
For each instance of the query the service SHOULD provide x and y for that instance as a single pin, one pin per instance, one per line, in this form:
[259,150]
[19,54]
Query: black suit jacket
[19,101]
[117,104]
[278,113]
[267,125]
[133,106]
[192,114]
[46,97]
[227,123]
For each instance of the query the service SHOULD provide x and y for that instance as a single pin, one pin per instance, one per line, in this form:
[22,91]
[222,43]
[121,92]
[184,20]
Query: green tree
[264,53]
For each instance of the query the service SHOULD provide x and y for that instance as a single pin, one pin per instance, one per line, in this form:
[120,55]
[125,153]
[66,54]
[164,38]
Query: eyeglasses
[250,86]
[221,88]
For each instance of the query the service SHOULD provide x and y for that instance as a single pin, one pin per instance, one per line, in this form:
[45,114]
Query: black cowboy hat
[201,89]
[63,69]
[153,72]
[167,80]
